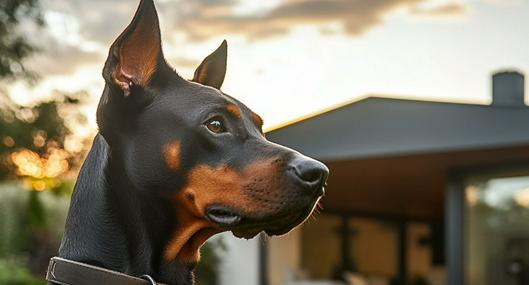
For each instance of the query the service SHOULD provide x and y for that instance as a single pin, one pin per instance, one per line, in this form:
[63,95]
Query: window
[496,234]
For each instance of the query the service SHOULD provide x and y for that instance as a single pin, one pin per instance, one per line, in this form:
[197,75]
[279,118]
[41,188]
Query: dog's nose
[311,173]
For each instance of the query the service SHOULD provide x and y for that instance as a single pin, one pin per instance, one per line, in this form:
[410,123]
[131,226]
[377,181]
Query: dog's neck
[107,225]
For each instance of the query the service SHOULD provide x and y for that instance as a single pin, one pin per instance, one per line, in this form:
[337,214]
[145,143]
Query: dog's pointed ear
[137,53]
[212,70]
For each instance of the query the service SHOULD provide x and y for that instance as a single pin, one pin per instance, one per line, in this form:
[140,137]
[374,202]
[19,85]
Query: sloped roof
[378,126]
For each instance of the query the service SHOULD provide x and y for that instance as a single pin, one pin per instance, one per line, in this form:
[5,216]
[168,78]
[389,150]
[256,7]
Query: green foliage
[31,223]
[28,238]
[207,271]
[36,217]
[13,272]
[18,220]
[13,230]
[14,47]
[22,124]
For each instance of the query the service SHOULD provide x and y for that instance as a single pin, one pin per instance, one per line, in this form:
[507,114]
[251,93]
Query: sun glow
[522,198]
[30,164]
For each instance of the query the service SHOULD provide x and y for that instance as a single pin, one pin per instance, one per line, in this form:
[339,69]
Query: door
[496,229]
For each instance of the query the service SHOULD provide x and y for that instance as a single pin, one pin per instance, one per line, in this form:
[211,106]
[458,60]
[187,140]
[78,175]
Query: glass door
[496,229]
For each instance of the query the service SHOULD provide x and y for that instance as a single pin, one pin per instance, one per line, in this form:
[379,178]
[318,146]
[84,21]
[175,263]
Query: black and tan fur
[175,162]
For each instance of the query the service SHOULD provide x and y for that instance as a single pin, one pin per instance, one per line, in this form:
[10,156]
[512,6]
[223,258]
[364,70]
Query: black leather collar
[68,272]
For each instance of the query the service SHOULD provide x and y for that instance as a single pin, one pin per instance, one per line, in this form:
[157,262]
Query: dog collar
[68,272]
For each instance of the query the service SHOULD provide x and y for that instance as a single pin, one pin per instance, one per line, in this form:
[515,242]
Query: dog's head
[191,144]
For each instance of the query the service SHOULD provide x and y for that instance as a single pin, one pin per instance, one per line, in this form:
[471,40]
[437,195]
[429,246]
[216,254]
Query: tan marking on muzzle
[192,231]
[207,186]
[225,185]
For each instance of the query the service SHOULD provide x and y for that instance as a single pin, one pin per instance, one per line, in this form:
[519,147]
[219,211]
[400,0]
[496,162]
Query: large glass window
[497,229]
[371,252]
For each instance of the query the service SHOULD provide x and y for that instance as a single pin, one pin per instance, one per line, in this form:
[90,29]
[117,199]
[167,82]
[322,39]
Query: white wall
[284,254]
[240,262]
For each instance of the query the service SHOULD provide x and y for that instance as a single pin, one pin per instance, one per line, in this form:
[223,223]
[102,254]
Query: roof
[379,126]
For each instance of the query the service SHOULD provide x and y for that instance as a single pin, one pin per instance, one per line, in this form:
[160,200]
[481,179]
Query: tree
[32,150]
[14,46]
[32,140]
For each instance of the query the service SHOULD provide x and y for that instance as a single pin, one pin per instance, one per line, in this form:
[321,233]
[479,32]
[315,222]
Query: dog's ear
[137,53]
[133,60]
[212,70]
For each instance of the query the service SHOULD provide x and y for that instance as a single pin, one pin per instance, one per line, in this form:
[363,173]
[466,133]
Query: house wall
[240,262]
[284,256]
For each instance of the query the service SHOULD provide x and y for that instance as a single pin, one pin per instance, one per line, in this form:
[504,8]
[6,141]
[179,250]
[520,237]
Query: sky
[290,58]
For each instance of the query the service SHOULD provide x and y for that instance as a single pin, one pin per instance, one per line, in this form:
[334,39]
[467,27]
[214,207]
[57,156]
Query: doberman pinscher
[175,162]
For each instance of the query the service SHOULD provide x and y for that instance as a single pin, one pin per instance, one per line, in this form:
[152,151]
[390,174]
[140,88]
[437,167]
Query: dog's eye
[215,125]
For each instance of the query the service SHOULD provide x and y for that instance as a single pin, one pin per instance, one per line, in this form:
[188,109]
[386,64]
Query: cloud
[81,31]
[181,61]
[96,20]
[78,33]
[199,21]
[448,9]
[504,2]
[59,59]
[101,21]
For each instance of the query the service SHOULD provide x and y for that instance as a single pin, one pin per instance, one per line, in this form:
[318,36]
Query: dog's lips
[247,225]
[274,225]
[247,234]
[249,228]
[296,220]
[223,217]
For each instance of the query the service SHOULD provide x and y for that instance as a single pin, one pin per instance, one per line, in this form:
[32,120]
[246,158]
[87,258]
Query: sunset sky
[289,58]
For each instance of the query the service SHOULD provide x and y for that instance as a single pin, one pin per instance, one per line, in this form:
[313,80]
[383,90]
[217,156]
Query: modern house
[420,192]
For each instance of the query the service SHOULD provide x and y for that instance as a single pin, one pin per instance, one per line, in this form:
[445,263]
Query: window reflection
[497,230]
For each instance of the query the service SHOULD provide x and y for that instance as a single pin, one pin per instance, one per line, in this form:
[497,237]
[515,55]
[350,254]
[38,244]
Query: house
[419,191]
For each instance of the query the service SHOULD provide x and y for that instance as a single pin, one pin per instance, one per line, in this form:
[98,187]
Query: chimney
[508,89]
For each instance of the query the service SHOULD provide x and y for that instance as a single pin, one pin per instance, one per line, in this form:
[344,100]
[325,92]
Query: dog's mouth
[248,226]
[222,216]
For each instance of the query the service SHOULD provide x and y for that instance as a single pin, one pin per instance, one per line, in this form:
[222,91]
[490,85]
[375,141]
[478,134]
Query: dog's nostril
[310,175]
[310,171]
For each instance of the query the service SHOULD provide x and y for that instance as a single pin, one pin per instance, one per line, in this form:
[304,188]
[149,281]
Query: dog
[175,161]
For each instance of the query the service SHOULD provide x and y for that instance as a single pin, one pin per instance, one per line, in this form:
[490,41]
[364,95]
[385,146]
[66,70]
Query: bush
[15,272]
[31,226]
[207,271]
